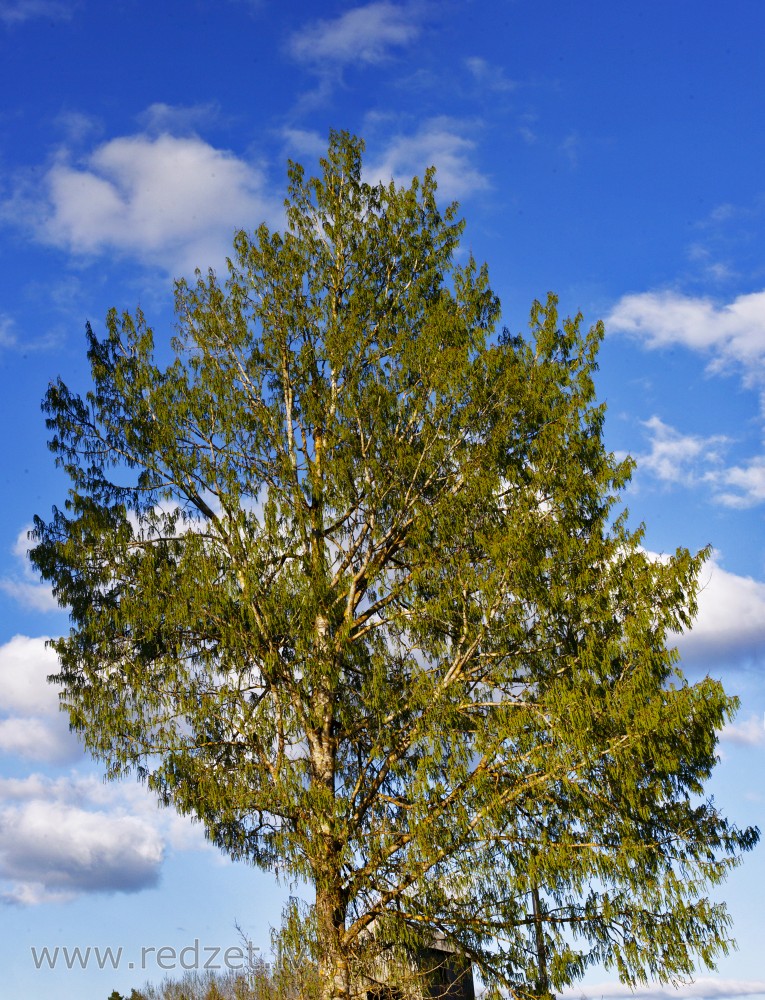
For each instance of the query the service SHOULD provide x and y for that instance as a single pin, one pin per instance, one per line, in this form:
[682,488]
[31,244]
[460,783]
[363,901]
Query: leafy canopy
[347,583]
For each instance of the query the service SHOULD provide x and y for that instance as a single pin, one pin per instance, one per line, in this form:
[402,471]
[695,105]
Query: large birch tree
[348,584]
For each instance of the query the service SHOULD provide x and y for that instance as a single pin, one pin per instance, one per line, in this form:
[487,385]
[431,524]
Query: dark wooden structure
[436,971]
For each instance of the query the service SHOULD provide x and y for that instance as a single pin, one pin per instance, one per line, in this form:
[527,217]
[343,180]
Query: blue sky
[612,153]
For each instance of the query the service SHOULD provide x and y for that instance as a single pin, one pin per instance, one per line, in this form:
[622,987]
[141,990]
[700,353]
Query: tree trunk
[333,965]
[542,985]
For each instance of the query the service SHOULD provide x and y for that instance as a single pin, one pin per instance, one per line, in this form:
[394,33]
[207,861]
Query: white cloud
[703,988]
[86,791]
[304,142]
[176,120]
[362,35]
[24,586]
[7,336]
[733,334]
[692,460]
[676,457]
[489,76]
[72,835]
[742,485]
[178,832]
[24,667]
[570,149]
[78,127]
[440,142]
[31,723]
[39,740]
[732,337]
[17,11]
[730,625]
[162,200]
[749,732]
[53,848]
[9,339]
[719,271]
[31,595]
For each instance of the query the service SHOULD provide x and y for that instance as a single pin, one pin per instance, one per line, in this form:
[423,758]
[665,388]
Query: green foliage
[295,948]
[348,583]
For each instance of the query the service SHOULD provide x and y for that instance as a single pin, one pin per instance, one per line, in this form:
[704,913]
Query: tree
[347,583]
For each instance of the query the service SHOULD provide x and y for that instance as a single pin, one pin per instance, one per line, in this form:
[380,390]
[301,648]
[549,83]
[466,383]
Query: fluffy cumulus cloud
[31,724]
[25,663]
[65,836]
[74,835]
[439,142]
[366,34]
[730,334]
[53,849]
[730,626]
[164,200]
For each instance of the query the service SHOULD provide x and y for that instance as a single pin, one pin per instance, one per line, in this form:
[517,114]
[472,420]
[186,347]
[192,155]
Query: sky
[610,152]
